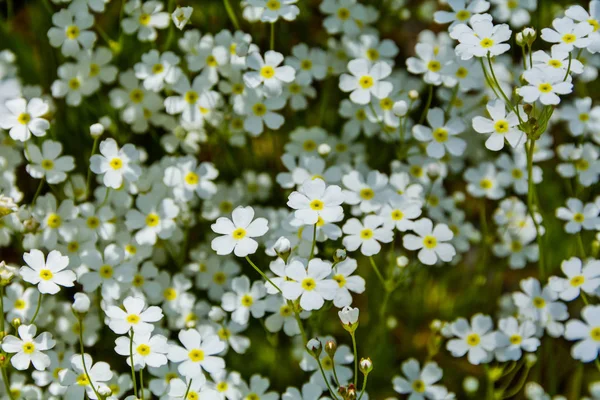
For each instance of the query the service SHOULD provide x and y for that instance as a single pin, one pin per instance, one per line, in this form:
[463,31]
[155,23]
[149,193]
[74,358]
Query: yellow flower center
[138,280]
[144,19]
[386,104]
[343,13]
[191,97]
[486,183]
[116,163]
[267,72]
[196,355]
[222,387]
[365,82]
[219,278]
[152,220]
[316,205]
[28,347]
[259,109]
[133,319]
[340,279]
[545,87]
[584,117]
[516,339]
[366,234]
[46,274]
[211,61]
[473,339]
[434,66]
[136,96]
[501,126]
[131,249]
[82,380]
[429,241]
[106,271]
[594,23]
[595,333]
[555,63]
[239,233]
[582,165]
[397,215]
[418,386]
[143,349]
[309,145]
[247,300]
[273,5]
[486,43]
[539,302]
[440,135]
[92,222]
[24,118]
[462,72]
[74,83]
[191,178]
[578,217]
[373,54]
[367,194]
[72,247]
[170,294]
[72,32]
[20,304]
[285,311]
[463,15]
[306,64]
[94,70]
[577,281]
[569,38]
[308,284]
[54,221]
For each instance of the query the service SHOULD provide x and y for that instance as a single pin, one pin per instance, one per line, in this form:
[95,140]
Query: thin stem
[263,274]
[363,387]
[314,242]
[135,391]
[584,298]
[7,383]
[530,200]
[427,104]
[38,191]
[89,174]
[231,14]
[377,272]
[87,375]
[452,100]
[188,389]
[37,309]
[142,384]
[580,244]
[325,378]
[272,42]
[506,99]
[2,310]
[355,357]
[299,321]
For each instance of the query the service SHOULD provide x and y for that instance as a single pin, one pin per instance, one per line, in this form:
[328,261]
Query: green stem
[7,383]
[314,242]
[263,274]
[363,387]
[299,321]
[187,390]
[355,356]
[325,379]
[530,201]
[427,105]
[142,384]
[38,191]
[2,310]
[272,41]
[135,391]
[231,14]
[37,309]
[89,174]
[87,374]
[377,272]
[506,99]
[580,244]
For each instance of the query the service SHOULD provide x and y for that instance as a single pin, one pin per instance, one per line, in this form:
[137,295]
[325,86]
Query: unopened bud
[314,347]
[96,130]
[350,393]
[81,304]
[216,314]
[6,274]
[7,206]
[324,149]
[330,348]
[413,95]
[339,255]
[471,384]
[400,108]
[16,323]
[530,360]
[282,246]
[402,261]
[365,365]
[529,35]
[181,16]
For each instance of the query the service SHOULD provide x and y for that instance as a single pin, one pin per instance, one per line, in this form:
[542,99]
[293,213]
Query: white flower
[513,338]
[482,39]
[578,278]
[430,241]
[310,284]
[579,216]
[366,235]
[400,213]
[587,332]
[198,353]
[145,18]
[461,12]
[483,181]
[47,163]
[244,300]
[133,317]
[260,111]
[477,339]
[545,85]
[568,34]
[238,233]
[316,202]
[22,118]
[147,350]
[157,69]
[557,59]
[81,303]
[420,384]
[155,218]
[268,72]
[342,274]
[70,31]
[430,62]
[348,315]
[28,348]
[366,80]
[501,126]
[188,178]
[76,377]
[181,16]
[48,274]
[273,9]
[116,164]
[441,135]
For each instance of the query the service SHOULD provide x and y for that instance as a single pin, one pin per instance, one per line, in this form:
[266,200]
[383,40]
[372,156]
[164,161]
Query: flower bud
[530,360]
[350,392]
[314,347]
[349,318]
[402,261]
[181,16]
[96,130]
[81,304]
[7,206]
[470,384]
[400,108]
[413,95]
[324,149]
[105,121]
[6,274]
[216,314]
[104,390]
[339,255]
[16,323]
[282,246]
[330,348]
[365,365]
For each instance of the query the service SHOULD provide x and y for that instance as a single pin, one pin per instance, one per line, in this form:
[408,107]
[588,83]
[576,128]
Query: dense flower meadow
[320,199]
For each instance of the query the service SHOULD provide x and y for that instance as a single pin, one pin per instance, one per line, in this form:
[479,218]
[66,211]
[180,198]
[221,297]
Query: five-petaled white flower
[238,233]
[50,274]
